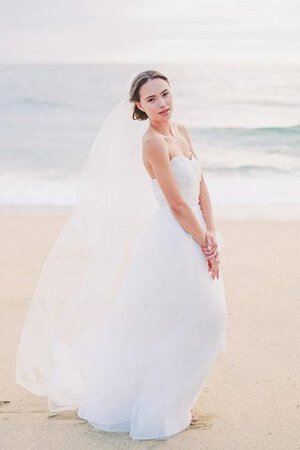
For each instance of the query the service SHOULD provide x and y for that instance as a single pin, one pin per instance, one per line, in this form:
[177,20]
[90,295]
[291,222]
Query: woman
[162,144]
[129,314]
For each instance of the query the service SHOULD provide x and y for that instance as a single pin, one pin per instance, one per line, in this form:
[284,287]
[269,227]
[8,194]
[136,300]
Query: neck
[166,128]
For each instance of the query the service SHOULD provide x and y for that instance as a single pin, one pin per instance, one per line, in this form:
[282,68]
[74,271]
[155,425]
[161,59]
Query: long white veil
[86,264]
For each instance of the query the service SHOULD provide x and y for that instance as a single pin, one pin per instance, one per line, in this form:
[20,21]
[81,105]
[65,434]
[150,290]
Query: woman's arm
[211,250]
[204,197]
[156,153]
[206,206]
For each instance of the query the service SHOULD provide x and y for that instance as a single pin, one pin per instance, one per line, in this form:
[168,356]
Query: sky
[141,31]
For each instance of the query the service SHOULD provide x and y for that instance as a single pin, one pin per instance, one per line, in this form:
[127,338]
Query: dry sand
[253,390]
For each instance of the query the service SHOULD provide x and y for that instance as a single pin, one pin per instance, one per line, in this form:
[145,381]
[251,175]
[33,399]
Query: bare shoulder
[154,146]
[182,128]
[180,125]
[156,158]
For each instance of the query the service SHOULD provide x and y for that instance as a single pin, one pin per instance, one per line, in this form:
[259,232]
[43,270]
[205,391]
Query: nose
[162,103]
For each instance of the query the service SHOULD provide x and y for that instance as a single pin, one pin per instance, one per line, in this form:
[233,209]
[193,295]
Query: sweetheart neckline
[178,156]
[182,156]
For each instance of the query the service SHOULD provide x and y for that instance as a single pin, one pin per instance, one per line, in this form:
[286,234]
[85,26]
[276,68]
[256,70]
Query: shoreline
[281,213]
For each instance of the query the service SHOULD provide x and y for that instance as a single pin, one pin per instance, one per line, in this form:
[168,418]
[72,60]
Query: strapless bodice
[188,176]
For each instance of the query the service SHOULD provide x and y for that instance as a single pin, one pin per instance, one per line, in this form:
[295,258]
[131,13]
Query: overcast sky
[78,31]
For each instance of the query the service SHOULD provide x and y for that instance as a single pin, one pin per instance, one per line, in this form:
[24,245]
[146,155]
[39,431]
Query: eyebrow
[149,96]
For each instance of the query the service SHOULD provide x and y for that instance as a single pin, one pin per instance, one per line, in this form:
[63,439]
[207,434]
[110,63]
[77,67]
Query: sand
[253,391]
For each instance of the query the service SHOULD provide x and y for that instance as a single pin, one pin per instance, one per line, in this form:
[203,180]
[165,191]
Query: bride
[129,313]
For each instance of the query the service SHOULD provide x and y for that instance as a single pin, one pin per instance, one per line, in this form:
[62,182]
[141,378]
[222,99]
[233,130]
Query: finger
[204,248]
[213,244]
[210,253]
[212,256]
[209,243]
[214,241]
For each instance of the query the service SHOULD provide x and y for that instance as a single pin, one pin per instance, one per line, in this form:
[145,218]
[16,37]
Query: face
[155,98]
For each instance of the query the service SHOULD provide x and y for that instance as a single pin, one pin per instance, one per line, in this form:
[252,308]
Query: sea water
[244,120]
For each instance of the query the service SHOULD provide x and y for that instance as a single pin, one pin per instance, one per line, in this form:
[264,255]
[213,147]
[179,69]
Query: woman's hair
[134,93]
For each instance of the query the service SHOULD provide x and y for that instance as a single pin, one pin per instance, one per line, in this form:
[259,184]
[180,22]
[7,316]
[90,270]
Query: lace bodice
[188,175]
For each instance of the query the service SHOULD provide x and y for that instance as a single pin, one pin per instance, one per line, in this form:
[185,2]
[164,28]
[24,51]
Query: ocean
[244,120]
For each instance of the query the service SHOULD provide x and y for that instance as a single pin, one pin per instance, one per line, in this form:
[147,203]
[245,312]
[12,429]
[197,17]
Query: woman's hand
[213,267]
[211,253]
[210,250]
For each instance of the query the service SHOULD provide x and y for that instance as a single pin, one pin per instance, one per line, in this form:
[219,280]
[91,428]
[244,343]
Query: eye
[166,93]
[150,100]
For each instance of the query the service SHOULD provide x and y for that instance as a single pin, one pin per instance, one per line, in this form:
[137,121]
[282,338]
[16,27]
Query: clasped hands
[211,253]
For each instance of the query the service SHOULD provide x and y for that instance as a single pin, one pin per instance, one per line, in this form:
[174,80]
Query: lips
[165,110]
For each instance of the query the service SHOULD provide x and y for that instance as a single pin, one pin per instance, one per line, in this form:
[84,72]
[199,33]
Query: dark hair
[134,93]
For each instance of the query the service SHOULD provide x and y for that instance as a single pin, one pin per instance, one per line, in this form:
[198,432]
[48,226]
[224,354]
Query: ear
[138,104]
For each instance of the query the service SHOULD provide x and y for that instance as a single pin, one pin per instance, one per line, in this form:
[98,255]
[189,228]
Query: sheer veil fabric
[86,264]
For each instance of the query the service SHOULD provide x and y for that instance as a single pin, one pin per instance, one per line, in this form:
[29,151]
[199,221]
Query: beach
[253,389]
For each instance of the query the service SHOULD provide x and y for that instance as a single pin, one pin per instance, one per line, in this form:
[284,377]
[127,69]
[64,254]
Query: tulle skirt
[147,362]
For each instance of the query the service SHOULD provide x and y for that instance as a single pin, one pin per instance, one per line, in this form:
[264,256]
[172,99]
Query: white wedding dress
[149,359]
